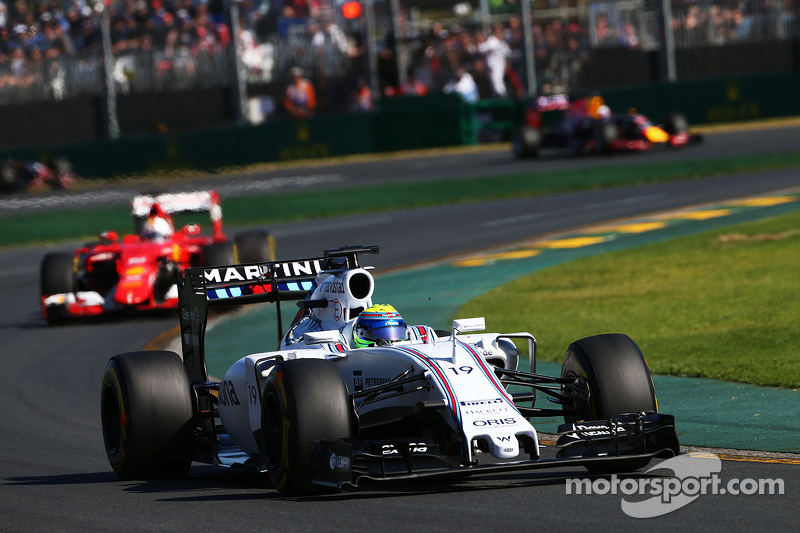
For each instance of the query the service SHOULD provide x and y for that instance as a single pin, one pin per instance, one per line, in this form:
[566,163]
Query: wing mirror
[469,324]
[109,236]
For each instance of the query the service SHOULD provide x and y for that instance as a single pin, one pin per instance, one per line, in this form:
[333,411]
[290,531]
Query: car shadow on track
[212,484]
[61,479]
[35,320]
[245,483]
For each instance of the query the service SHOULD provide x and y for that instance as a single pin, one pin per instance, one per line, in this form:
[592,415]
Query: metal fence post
[399,44]
[486,16]
[372,48]
[528,51]
[240,83]
[669,40]
[112,124]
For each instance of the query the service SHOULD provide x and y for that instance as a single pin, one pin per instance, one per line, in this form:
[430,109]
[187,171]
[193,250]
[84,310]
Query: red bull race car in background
[139,271]
[33,176]
[587,125]
[354,394]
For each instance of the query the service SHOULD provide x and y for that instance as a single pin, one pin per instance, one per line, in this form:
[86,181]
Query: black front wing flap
[632,436]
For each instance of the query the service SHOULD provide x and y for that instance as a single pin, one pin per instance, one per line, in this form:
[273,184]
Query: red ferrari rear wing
[182,202]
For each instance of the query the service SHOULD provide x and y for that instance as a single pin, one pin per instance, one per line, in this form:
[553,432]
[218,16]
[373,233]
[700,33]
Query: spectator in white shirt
[496,50]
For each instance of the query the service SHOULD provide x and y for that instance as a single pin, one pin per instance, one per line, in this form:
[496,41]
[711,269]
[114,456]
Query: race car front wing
[626,437]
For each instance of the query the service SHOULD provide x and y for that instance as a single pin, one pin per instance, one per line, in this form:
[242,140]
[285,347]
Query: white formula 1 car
[320,413]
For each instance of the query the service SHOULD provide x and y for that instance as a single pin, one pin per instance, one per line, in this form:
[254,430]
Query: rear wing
[179,203]
[556,102]
[243,284]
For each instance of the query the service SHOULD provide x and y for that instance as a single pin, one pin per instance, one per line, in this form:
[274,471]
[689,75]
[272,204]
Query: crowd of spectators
[36,43]
[480,65]
[698,23]
[458,57]
[161,41]
[729,21]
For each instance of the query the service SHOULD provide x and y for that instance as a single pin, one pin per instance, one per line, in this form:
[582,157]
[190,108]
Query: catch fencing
[166,65]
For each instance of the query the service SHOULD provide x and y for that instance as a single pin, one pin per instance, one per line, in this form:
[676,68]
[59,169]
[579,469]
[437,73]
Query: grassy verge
[73,224]
[721,304]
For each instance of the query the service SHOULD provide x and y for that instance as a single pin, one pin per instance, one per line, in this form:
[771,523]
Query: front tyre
[525,142]
[146,410]
[56,276]
[303,400]
[619,382]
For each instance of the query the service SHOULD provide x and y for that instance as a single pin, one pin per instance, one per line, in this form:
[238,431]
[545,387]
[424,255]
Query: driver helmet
[379,325]
[158,226]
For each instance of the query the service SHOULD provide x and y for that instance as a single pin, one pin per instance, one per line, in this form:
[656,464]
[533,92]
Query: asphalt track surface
[54,475]
[369,170]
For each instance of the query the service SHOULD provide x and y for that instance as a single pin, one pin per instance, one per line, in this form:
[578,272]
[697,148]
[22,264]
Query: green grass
[74,224]
[703,306]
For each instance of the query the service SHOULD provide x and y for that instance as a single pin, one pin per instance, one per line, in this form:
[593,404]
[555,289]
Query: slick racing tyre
[619,382]
[219,253]
[303,400]
[148,421]
[56,276]
[8,176]
[256,246]
[675,123]
[607,134]
[525,142]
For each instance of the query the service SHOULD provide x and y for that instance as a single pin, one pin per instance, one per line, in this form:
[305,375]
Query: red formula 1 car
[587,125]
[139,271]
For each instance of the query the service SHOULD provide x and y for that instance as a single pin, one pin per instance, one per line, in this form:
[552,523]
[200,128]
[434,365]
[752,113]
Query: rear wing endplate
[243,284]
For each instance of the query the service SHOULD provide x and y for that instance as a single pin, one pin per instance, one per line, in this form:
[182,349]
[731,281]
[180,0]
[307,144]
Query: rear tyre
[525,142]
[619,382]
[147,415]
[303,400]
[256,246]
[219,253]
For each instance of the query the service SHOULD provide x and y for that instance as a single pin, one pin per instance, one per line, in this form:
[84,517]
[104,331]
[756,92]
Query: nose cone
[503,447]
[655,134]
[132,292]
[133,287]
